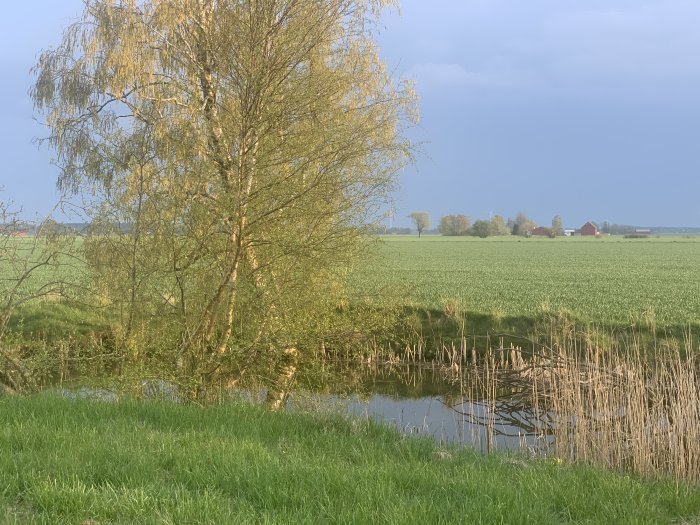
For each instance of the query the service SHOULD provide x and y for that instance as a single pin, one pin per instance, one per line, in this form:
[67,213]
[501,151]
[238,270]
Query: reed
[623,408]
[628,410]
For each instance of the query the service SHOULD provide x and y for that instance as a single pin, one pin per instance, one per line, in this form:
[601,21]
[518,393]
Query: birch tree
[237,151]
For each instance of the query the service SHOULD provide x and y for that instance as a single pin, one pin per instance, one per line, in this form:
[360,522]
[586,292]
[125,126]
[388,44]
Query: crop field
[500,283]
[609,282]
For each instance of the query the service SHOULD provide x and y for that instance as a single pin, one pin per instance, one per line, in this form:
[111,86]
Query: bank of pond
[73,460]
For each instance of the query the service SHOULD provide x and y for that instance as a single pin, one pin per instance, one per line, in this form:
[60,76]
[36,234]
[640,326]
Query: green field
[76,461]
[509,282]
[496,285]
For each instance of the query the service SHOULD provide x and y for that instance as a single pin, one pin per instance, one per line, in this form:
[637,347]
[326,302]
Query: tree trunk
[278,394]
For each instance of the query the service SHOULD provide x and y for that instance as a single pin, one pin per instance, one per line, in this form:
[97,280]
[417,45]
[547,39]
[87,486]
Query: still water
[425,400]
[436,402]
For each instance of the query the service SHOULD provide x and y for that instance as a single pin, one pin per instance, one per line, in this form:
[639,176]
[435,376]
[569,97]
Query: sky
[586,109]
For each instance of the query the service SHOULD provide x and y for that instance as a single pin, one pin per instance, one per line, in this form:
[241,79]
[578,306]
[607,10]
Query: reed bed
[627,408]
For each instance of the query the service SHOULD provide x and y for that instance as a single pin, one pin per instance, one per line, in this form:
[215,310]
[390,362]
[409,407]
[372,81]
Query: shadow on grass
[435,328]
[39,328]
[56,320]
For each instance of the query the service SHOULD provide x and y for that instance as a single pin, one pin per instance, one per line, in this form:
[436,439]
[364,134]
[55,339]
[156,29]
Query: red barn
[589,229]
[541,230]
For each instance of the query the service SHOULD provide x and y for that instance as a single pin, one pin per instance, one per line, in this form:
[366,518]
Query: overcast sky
[587,109]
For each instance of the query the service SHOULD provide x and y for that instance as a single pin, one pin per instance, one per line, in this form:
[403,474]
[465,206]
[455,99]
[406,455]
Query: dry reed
[627,408]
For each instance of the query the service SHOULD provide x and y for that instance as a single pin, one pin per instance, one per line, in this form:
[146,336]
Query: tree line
[461,225]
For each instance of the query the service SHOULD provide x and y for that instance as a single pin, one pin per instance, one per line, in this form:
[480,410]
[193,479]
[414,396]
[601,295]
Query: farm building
[541,230]
[589,229]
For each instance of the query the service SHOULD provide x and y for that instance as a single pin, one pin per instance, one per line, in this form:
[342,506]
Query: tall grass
[76,461]
[627,410]
[620,407]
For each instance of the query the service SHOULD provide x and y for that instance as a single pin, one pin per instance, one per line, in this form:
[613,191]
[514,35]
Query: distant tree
[454,225]
[481,229]
[445,226]
[621,229]
[421,219]
[499,226]
[557,226]
[523,225]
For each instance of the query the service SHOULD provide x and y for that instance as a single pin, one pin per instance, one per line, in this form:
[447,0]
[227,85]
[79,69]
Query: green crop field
[503,283]
[611,282]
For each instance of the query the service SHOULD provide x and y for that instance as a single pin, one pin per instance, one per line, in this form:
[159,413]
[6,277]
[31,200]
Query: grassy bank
[69,461]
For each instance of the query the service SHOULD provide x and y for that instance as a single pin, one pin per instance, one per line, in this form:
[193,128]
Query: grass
[507,284]
[455,285]
[77,461]
[52,320]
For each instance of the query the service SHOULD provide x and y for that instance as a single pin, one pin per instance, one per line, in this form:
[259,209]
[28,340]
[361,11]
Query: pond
[448,406]
[616,411]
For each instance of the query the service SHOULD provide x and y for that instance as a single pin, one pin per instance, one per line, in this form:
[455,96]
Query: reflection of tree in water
[409,381]
[622,407]
[505,410]
[512,416]
[400,380]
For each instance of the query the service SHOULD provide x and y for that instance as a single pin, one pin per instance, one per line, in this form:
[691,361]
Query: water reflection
[448,405]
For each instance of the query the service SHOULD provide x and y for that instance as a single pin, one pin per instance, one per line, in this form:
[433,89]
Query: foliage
[481,229]
[421,220]
[498,226]
[454,225]
[557,226]
[523,225]
[237,152]
[32,270]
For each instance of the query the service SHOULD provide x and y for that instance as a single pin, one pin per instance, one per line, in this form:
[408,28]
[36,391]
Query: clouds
[440,75]
[498,75]
[627,47]
[521,101]
[617,50]
[587,108]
